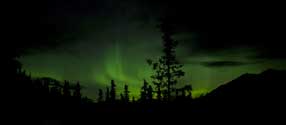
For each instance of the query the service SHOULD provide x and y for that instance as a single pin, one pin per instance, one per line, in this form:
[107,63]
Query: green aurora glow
[125,67]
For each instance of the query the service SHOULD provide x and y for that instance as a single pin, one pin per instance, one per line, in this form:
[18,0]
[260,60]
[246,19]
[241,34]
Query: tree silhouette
[159,92]
[188,89]
[133,99]
[77,90]
[177,93]
[122,97]
[183,92]
[150,93]
[144,91]
[167,68]
[100,95]
[112,92]
[66,89]
[107,96]
[45,87]
[165,95]
[126,93]
[55,91]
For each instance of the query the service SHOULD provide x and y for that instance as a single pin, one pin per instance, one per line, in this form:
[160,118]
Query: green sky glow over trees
[112,40]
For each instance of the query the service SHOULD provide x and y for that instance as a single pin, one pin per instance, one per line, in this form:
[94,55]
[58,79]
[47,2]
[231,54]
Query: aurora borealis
[103,40]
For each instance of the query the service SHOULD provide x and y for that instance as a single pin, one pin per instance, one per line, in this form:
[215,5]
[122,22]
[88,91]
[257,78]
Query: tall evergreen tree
[107,96]
[188,89]
[167,68]
[77,90]
[66,89]
[122,99]
[126,93]
[144,91]
[100,95]
[133,99]
[113,91]
[150,93]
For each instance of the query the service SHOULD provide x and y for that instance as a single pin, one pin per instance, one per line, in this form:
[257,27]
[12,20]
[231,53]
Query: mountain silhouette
[249,94]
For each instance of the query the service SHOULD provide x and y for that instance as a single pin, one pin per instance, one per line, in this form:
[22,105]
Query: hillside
[250,93]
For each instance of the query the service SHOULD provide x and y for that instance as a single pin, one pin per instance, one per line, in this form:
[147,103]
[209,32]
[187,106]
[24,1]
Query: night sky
[94,41]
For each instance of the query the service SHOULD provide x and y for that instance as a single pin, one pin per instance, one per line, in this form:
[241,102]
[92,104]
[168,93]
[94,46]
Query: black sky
[217,25]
